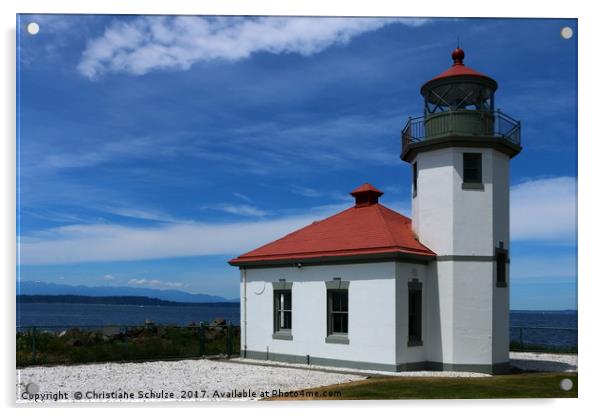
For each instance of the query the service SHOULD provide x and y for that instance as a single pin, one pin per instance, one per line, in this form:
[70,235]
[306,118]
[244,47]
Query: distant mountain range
[42,288]
[112,300]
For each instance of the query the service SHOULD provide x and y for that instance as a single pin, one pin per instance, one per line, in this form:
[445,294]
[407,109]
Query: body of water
[557,328]
[549,328]
[76,314]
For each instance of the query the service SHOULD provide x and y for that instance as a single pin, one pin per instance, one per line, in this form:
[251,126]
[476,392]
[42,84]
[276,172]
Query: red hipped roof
[368,228]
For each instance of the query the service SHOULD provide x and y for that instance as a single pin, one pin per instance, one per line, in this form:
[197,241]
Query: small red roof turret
[366,195]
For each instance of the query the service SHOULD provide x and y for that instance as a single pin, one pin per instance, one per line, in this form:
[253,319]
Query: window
[338,310]
[414,313]
[501,258]
[473,168]
[283,314]
[415,178]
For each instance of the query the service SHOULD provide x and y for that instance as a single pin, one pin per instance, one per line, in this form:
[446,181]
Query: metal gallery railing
[461,122]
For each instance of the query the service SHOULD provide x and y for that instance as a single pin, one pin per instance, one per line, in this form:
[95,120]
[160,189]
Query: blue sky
[153,149]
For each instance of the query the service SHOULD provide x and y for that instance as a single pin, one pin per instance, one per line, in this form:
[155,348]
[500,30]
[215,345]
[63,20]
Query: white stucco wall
[467,313]
[455,221]
[372,311]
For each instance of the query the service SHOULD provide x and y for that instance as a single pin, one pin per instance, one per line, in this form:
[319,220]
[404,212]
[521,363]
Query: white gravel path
[202,379]
[533,361]
[368,372]
[223,380]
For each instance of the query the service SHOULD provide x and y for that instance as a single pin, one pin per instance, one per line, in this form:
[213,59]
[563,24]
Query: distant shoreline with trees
[112,300]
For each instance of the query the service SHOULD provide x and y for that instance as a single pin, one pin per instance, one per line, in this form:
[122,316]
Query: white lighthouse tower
[459,152]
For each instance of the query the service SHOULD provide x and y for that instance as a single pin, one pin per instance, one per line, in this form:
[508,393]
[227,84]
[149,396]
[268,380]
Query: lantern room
[459,103]
[459,88]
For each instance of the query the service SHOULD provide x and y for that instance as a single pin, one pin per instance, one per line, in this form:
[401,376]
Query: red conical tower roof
[458,69]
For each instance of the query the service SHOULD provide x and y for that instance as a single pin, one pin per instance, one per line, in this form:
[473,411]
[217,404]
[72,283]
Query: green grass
[525,385]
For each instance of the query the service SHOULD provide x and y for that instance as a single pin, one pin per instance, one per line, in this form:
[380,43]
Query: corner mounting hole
[33,28]
[566,384]
[566,32]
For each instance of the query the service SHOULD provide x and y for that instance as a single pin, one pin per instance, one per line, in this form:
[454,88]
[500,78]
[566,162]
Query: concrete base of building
[496,368]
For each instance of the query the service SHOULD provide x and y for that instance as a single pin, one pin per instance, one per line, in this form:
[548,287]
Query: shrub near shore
[145,342]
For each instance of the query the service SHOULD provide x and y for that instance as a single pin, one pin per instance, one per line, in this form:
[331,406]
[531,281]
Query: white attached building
[368,288]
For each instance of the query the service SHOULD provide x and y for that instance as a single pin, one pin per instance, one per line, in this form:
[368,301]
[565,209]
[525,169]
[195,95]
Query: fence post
[229,339]
[33,345]
[202,339]
[520,335]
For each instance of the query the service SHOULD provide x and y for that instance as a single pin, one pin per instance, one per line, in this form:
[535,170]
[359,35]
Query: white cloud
[102,242]
[544,210]
[241,196]
[108,277]
[243,210]
[176,43]
[156,283]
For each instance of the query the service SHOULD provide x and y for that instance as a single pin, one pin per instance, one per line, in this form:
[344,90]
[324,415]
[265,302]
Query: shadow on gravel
[542,365]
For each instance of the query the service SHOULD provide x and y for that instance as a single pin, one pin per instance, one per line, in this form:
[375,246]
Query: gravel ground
[367,372]
[533,361]
[528,361]
[221,380]
[201,379]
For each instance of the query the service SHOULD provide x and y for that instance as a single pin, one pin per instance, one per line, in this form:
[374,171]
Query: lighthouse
[370,288]
[459,151]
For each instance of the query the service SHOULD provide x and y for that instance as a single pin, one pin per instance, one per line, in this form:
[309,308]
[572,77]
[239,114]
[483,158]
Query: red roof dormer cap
[366,195]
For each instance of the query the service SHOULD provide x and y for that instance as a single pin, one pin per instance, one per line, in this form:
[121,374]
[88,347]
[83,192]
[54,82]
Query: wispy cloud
[544,210]
[176,43]
[108,277]
[156,283]
[82,243]
[243,210]
[138,213]
[241,196]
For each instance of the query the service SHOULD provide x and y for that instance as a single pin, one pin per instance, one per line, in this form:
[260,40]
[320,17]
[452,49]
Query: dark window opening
[338,312]
[414,313]
[283,310]
[473,168]
[501,259]
[415,178]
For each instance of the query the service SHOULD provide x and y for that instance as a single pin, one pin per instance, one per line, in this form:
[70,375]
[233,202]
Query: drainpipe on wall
[244,312]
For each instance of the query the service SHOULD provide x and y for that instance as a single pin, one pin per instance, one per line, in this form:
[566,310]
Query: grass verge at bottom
[515,386]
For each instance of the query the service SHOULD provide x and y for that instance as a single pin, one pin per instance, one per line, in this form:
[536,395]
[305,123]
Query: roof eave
[334,259]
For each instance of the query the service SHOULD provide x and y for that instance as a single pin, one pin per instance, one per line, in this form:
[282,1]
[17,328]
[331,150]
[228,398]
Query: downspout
[244,310]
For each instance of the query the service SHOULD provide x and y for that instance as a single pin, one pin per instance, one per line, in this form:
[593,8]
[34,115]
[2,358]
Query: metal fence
[543,339]
[86,344]
[114,343]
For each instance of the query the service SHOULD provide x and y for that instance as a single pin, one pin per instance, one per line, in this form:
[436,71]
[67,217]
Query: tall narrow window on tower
[414,313]
[472,171]
[501,258]
[415,178]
